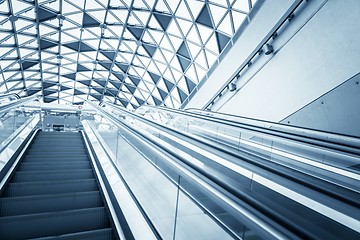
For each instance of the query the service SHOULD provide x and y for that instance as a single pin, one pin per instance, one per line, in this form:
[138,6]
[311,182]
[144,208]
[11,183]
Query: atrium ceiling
[127,52]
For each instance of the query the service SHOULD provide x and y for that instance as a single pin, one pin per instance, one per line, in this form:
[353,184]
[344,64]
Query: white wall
[317,51]
[253,34]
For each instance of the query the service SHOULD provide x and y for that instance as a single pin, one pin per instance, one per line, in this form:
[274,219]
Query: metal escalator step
[55,133]
[64,153]
[49,203]
[46,149]
[103,234]
[49,187]
[57,136]
[53,224]
[59,141]
[57,146]
[47,159]
[36,176]
[54,137]
[41,166]
[57,154]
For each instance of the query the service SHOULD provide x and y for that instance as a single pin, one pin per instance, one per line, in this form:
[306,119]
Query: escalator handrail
[19,153]
[316,137]
[15,134]
[16,103]
[167,128]
[10,95]
[307,132]
[142,211]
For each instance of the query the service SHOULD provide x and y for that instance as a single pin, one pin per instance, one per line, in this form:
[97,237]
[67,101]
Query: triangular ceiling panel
[79,46]
[222,40]
[49,84]
[184,51]
[49,99]
[163,94]
[78,92]
[85,82]
[205,17]
[106,65]
[136,32]
[44,14]
[28,64]
[123,67]
[45,44]
[109,54]
[89,21]
[163,19]
[154,77]
[150,49]
[70,76]
[119,76]
[81,68]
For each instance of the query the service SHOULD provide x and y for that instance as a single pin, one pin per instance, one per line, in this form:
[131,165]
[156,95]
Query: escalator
[299,200]
[53,193]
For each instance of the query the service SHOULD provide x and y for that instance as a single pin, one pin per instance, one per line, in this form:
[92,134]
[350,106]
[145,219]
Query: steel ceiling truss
[129,52]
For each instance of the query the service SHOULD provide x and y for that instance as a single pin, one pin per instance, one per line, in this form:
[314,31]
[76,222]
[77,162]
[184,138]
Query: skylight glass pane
[90,46]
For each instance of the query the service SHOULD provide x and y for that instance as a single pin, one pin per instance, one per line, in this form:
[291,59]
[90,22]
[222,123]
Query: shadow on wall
[336,111]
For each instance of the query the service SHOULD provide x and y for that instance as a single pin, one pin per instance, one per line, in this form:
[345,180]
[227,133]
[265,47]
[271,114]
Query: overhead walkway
[54,193]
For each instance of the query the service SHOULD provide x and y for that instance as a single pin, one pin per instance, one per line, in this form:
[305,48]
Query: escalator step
[39,166]
[69,142]
[55,159]
[56,146]
[52,151]
[58,154]
[36,176]
[103,234]
[47,149]
[64,141]
[49,187]
[49,203]
[52,224]
[58,138]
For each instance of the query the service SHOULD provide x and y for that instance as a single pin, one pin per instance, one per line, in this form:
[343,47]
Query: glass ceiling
[128,52]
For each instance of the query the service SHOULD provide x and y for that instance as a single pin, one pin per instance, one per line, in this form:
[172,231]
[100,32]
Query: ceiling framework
[127,52]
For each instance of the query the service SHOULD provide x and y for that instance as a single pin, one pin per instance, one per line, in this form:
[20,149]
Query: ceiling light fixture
[232,87]
[268,49]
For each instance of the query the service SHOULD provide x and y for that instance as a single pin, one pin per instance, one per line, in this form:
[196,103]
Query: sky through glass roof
[129,52]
